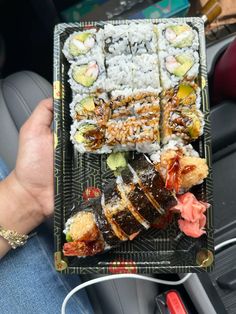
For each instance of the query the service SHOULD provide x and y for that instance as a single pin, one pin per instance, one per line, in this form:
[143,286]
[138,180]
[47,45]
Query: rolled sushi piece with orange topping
[90,107]
[183,123]
[88,136]
[181,116]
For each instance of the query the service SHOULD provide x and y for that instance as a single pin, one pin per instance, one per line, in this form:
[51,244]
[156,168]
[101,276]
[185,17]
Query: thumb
[43,113]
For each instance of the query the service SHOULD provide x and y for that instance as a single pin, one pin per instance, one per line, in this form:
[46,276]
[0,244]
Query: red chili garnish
[91,192]
[173,174]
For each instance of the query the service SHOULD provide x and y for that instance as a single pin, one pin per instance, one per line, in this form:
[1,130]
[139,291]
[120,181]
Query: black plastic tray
[155,251]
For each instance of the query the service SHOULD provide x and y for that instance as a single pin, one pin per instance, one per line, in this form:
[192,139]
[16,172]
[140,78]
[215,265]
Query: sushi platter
[132,151]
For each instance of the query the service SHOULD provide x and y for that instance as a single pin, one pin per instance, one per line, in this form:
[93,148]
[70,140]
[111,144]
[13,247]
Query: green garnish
[117,162]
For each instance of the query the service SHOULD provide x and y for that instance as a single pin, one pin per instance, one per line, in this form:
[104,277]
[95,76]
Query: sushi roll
[152,184]
[119,72]
[121,219]
[184,94]
[83,235]
[138,103]
[116,40]
[145,71]
[133,133]
[129,205]
[87,75]
[87,136]
[104,226]
[181,122]
[176,65]
[80,44]
[90,107]
[142,38]
[177,36]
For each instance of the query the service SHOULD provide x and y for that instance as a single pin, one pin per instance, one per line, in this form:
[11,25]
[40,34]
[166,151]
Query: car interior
[26,65]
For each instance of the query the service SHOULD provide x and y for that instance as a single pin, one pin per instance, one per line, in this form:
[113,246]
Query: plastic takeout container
[155,251]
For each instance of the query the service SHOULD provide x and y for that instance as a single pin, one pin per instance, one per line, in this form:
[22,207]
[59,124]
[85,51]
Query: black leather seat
[19,94]
[215,292]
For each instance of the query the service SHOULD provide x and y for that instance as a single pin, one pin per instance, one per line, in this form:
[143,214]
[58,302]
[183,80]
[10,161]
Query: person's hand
[26,195]
[34,166]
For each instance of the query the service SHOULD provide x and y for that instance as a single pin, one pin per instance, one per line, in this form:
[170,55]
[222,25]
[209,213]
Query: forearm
[19,211]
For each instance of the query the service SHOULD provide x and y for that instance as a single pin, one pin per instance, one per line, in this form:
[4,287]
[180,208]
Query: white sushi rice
[145,71]
[121,93]
[116,39]
[201,116]
[119,72]
[148,148]
[135,91]
[168,79]
[198,98]
[155,157]
[142,38]
[136,72]
[165,140]
[187,150]
[164,44]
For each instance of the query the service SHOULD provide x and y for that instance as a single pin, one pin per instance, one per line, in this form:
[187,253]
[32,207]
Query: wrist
[19,210]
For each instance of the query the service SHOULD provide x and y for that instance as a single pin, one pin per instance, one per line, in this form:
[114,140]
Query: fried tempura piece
[84,227]
[193,170]
[182,172]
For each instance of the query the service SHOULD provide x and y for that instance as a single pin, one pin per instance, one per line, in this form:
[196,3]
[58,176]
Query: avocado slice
[88,103]
[184,43]
[183,69]
[79,75]
[195,124]
[79,135]
[184,58]
[186,64]
[178,29]
[68,237]
[194,129]
[77,48]
[82,36]
[184,91]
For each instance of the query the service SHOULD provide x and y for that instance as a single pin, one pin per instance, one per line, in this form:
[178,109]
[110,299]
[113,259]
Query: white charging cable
[225,243]
[134,276]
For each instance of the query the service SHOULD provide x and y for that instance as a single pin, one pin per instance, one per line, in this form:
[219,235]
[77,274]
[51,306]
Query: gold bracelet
[13,238]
